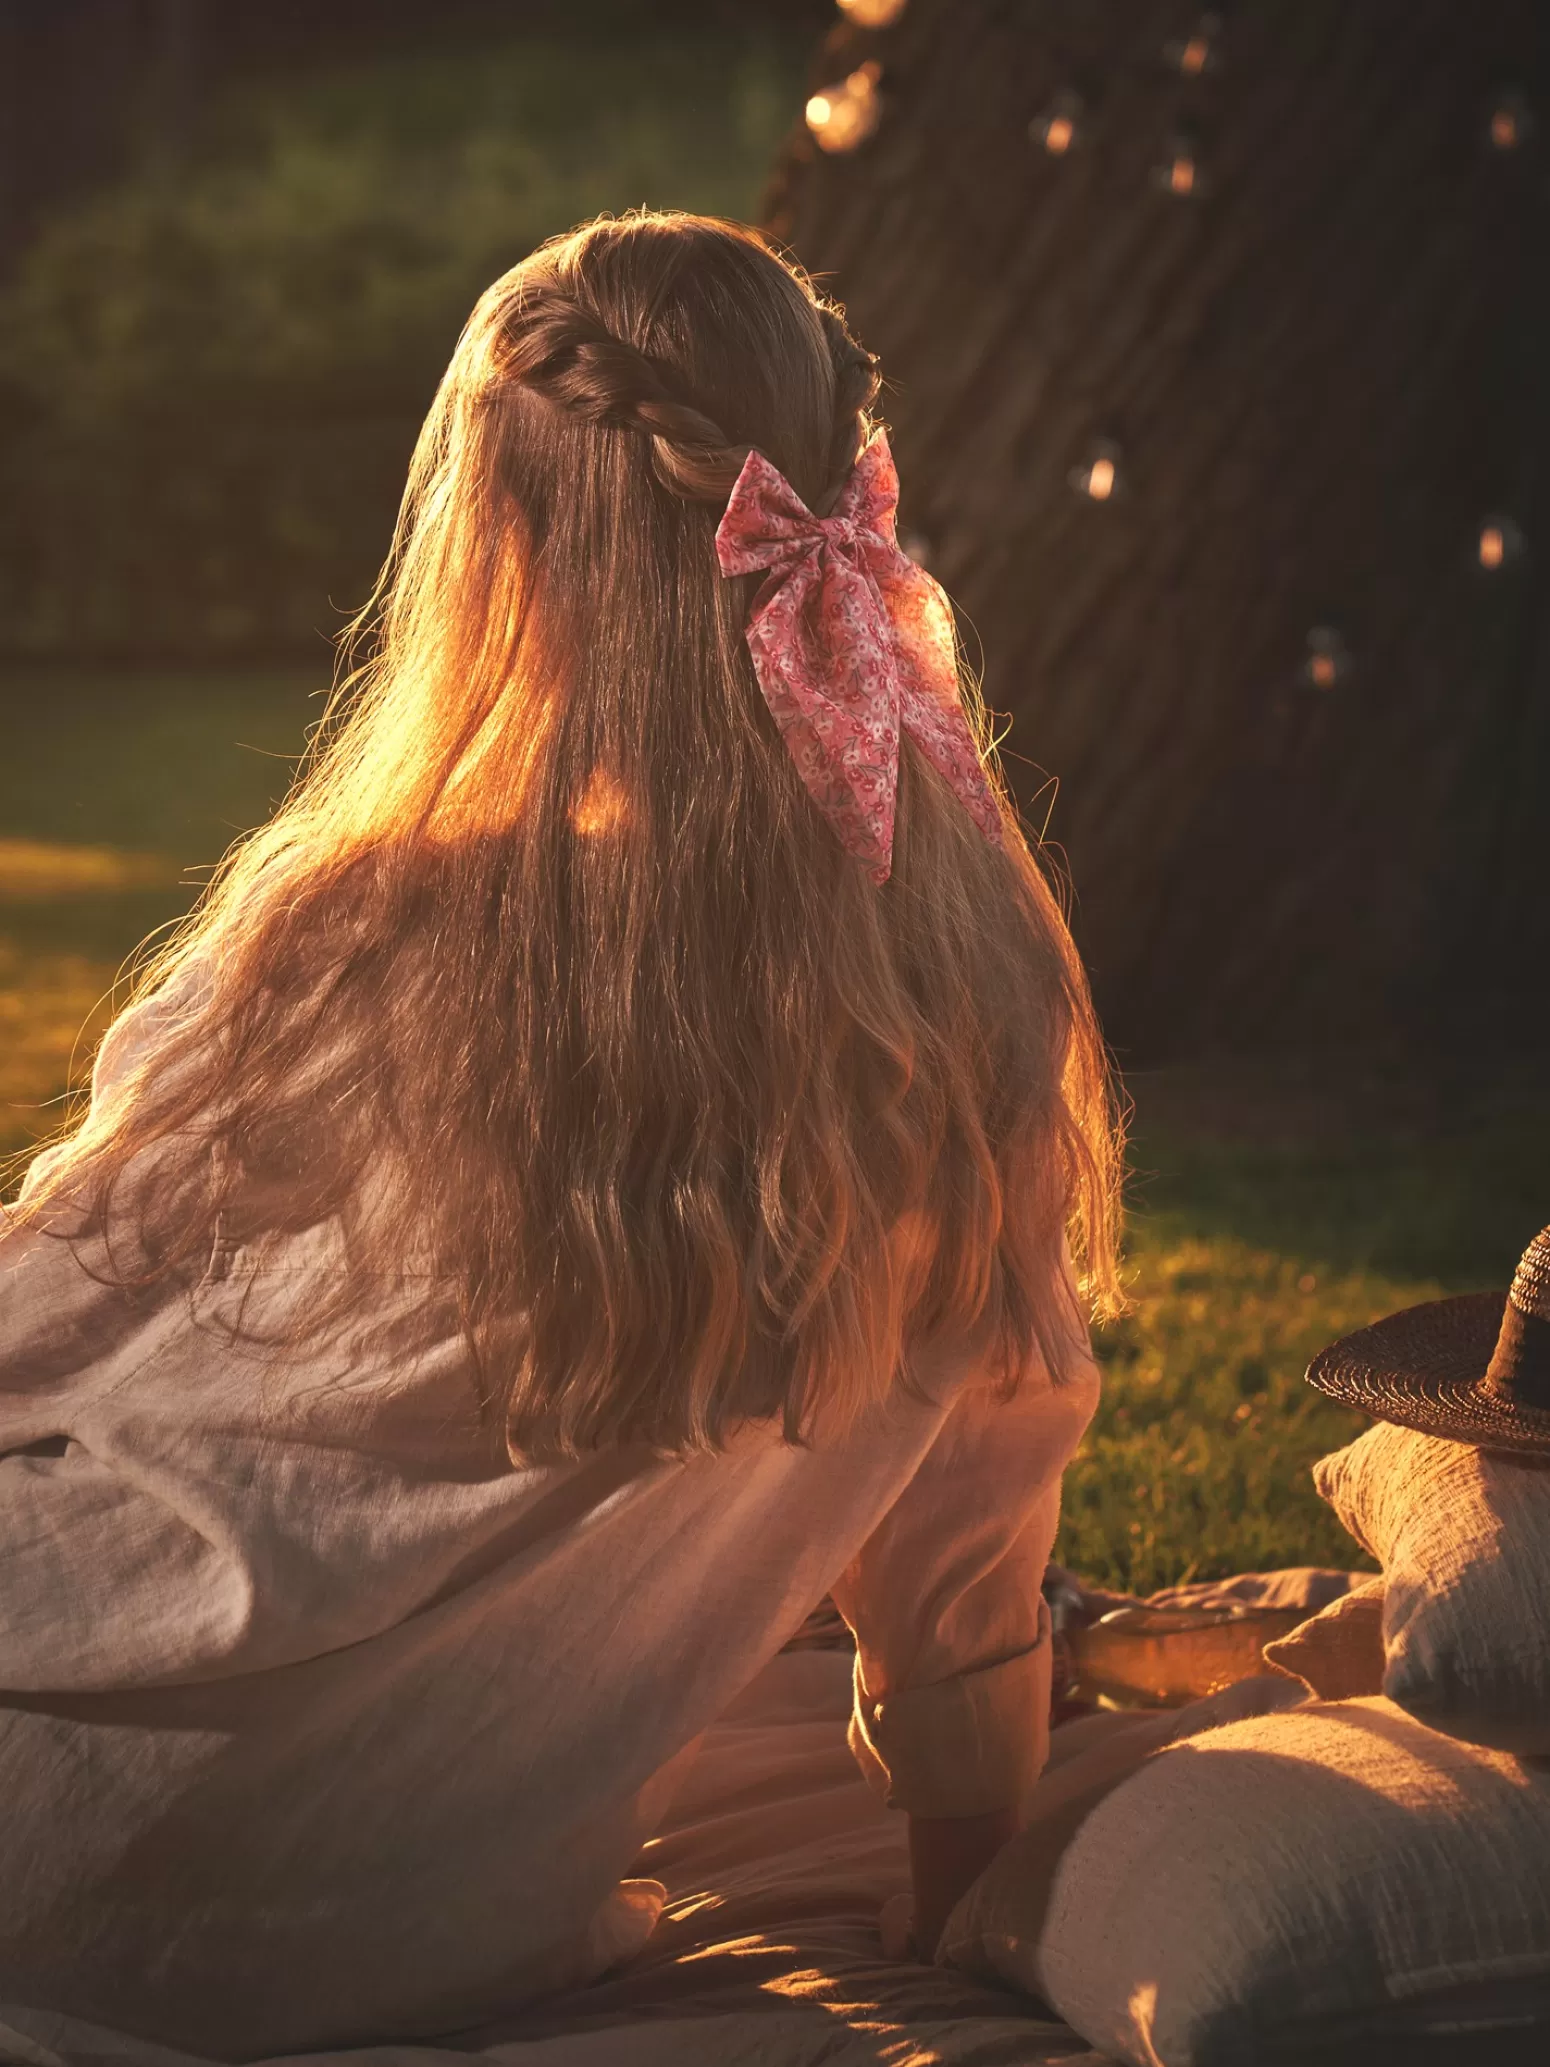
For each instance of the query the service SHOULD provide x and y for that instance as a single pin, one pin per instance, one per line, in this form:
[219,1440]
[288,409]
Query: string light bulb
[1098,478]
[843,116]
[1180,172]
[873,14]
[1510,123]
[1328,662]
[1199,51]
[1498,543]
[1059,127]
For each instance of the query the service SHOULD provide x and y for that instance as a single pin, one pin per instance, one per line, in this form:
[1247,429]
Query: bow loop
[868,503]
[849,641]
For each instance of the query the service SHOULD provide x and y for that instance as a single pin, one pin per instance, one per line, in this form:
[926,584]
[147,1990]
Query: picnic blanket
[776,1860]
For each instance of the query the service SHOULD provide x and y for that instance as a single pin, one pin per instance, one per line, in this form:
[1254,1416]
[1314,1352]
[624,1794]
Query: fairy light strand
[844,115]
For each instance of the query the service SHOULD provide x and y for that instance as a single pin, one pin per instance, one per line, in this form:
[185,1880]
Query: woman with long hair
[620,1156]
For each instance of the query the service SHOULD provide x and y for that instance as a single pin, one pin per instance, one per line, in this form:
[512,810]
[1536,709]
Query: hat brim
[1425,1369]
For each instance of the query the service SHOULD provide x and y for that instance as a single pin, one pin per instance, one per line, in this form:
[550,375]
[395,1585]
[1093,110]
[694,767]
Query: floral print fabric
[850,640]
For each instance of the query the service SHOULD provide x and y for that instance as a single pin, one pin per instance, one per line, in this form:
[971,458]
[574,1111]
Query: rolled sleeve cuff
[962,1746]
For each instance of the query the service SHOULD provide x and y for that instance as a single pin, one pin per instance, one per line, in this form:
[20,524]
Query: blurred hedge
[211,375]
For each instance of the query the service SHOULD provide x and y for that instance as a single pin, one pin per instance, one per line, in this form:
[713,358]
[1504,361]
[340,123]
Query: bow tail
[930,699]
[850,772]
[944,737]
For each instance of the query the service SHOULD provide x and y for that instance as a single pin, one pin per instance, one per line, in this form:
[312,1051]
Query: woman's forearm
[947,1853]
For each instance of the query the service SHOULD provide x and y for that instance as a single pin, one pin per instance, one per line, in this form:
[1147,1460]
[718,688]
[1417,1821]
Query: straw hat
[1461,1368]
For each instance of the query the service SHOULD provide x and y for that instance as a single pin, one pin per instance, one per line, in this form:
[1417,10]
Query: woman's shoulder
[149,1019]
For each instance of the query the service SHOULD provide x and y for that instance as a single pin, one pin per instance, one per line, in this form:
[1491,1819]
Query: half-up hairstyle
[550,989]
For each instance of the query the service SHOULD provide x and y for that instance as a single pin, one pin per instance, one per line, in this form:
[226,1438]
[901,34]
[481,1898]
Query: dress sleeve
[952,1681]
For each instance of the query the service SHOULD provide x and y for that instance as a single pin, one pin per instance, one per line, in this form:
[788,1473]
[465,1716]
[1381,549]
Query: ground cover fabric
[775,1862]
[1463,1537]
[1333,1880]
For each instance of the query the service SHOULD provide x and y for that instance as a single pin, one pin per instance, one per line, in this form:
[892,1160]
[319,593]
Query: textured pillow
[1334,1882]
[1338,1653]
[1463,1537]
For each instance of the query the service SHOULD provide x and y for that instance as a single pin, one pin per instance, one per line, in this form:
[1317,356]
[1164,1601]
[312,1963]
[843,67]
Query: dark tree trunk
[173,80]
[1301,735]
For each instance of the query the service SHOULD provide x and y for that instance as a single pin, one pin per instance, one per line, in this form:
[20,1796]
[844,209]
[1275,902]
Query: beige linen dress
[322,1721]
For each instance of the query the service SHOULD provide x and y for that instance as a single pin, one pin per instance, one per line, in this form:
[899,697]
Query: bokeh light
[845,115]
[873,14]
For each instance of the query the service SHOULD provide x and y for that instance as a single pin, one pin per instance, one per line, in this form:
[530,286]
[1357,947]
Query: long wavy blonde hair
[549,981]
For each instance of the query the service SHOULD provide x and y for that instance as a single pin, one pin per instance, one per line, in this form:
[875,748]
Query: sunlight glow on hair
[602,808]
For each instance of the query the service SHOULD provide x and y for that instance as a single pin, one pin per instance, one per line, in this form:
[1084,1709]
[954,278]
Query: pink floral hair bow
[850,640]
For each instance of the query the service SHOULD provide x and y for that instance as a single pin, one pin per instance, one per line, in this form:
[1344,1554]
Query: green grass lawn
[117,794]
[1271,1209]
[1256,1237]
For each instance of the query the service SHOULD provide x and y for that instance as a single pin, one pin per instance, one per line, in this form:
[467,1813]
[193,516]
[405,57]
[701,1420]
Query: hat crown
[1519,1371]
[1531,1281]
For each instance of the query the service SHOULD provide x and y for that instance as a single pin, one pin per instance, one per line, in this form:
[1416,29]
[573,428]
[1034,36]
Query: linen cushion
[1338,1653]
[1331,1882]
[1463,1537]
